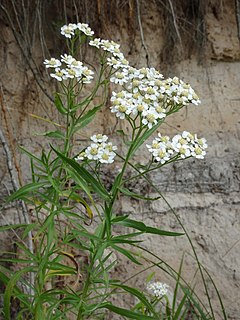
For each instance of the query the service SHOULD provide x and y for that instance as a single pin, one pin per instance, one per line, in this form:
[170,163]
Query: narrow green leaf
[13,226]
[9,292]
[52,134]
[87,118]
[29,228]
[137,294]
[80,181]
[25,190]
[195,304]
[96,186]
[119,218]
[74,196]
[145,136]
[31,155]
[177,284]
[126,253]
[177,314]
[127,313]
[80,105]
[142,227]
[59,105]
[87,235]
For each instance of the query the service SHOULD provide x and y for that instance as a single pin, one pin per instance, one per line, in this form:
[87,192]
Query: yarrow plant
[75,218]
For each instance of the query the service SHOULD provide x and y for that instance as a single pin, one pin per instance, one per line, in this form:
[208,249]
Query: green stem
[188,237]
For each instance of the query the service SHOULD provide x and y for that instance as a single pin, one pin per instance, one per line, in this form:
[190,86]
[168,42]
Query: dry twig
[141,32]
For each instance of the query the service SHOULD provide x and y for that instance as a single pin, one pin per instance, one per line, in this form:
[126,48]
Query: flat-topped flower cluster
[158,289]
[70,69]
[99,150]
[148,96]
[180,146]
[145,100]
[73,29]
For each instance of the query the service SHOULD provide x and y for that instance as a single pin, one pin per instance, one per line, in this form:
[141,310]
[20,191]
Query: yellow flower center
[182,141]
[140,108]
[122,108]
[105,156]
[151,118]
[161,154]
[94,151]
[198,151]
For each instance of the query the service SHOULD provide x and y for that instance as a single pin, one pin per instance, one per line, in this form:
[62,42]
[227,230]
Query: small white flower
[198,152]
[161,154]
[120,77]
[81,156]
[95,43]
[106,156]
[99,150]
[88,75]
[201,142]
[68,59]
[92,152]
[178,142]
[154,146]
[68,30]
[72,73]
[184,151]
[52,63]
[99,138]
[59,74]
[158,289]
[110,147]
[117,63]
[121,110]
[188,136]
[150,117]
[83,27]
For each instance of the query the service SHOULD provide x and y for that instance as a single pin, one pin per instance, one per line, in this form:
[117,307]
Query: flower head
[99,150]
[52,63]
[83,27]
[68,30]
[180,146]
[59,74]
[158,289]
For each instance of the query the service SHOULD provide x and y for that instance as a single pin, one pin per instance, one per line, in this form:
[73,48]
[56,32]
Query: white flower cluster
[158,289]
[99,150]
[181,145]
[69,30]
[113,48]
[71,69]
[148,95]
